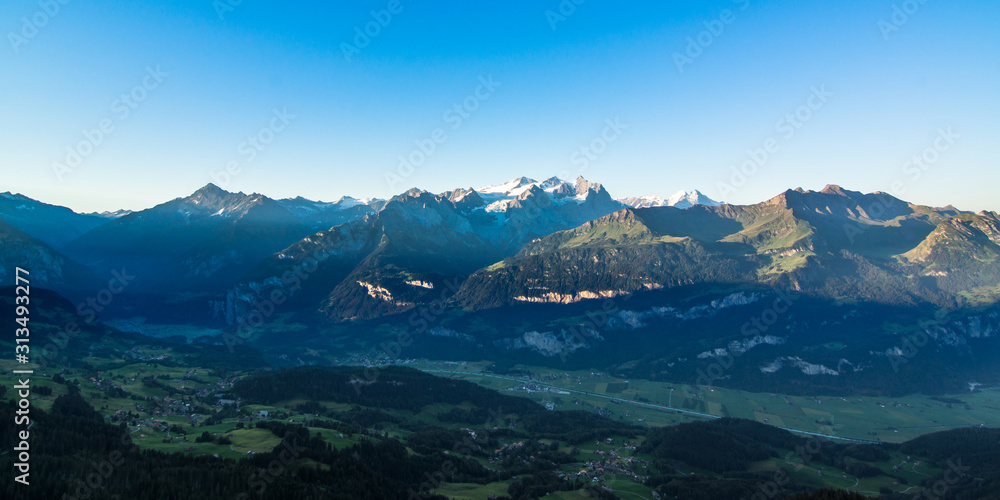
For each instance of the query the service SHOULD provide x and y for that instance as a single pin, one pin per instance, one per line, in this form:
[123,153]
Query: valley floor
[865,419]
[156,399]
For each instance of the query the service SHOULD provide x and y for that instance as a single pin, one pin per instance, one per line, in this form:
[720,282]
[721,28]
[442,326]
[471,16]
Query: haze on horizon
[644,98]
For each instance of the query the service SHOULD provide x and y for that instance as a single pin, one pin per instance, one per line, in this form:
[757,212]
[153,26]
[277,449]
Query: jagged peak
[583,185]
[627,216]
[833,189]
[467,197]
[414,192]
[784,199]
[508,186]
[211,189]
[349,201]
[829,190]
[687,199]
[644,201]
[14,196]
[210,195]
[533,190]
[682,199]
[837,190]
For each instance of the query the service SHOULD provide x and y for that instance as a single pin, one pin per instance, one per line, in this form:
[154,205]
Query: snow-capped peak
[680,199]
[111,215]
[498,198]
[346,202]
[303,207]
[687,199]
[509,188]
[644,201]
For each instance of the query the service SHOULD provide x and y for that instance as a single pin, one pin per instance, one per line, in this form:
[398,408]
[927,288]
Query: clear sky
[694,90]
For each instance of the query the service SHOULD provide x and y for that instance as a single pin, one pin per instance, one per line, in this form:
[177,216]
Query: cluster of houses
[611,462]
[138,354]
[530,387]
[500,453]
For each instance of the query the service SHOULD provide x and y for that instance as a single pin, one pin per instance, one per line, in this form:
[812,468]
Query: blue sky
[696,90]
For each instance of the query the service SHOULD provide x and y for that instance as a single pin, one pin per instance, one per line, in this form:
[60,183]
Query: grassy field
[471,491]
[871,419]
[40,379]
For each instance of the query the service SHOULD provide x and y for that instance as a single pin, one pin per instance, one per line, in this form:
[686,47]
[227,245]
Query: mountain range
[516,270]
[508,243]
[835,243]
[418,243]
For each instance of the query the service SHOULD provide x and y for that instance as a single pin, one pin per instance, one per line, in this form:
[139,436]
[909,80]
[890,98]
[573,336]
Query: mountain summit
[680,199]
[501,197]
[201,242]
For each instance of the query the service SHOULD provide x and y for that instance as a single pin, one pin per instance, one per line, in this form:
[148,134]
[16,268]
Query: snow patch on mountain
[680,199]
[110,215]
[646,201]
[500,198]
